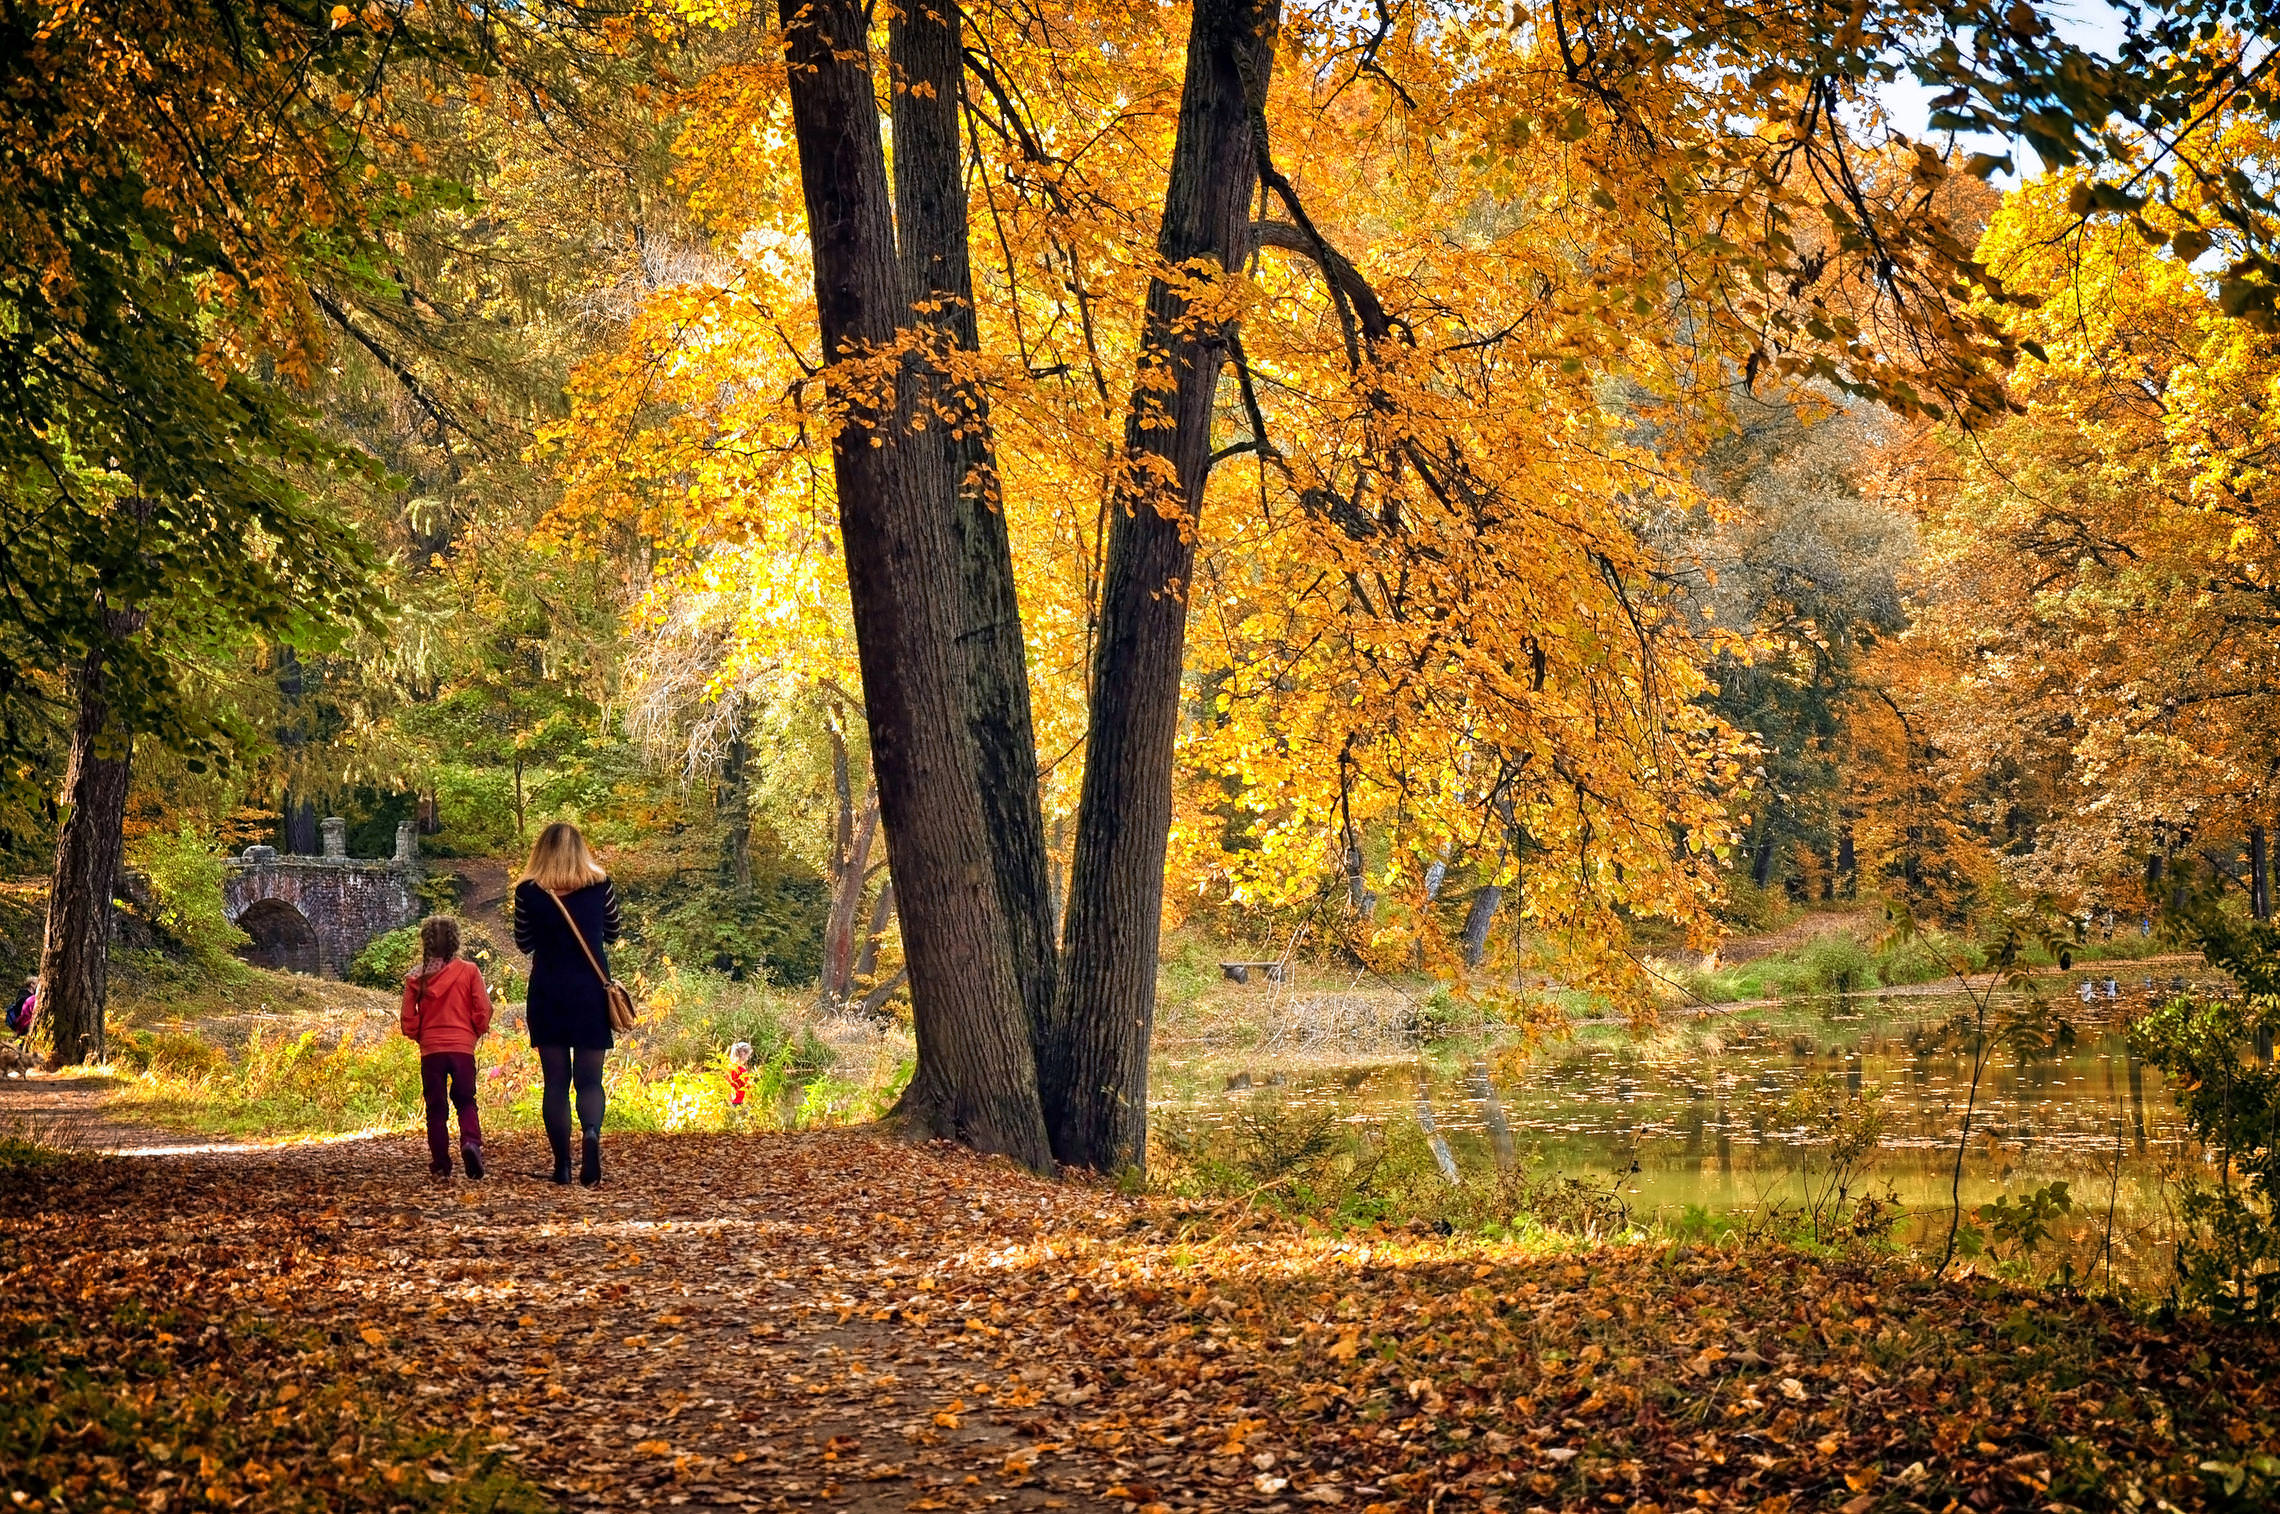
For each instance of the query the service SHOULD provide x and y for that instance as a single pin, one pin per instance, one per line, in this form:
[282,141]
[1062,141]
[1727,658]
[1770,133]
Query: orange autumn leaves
[1427,637]
[1487,664]
[2103,581]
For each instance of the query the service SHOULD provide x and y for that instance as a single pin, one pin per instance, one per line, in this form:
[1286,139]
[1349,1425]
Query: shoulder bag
[621,1002]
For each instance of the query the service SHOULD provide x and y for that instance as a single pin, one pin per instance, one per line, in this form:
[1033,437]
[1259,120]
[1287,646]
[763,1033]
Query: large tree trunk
[977,1072]
[75,958]
[925,47]
[1095,1066]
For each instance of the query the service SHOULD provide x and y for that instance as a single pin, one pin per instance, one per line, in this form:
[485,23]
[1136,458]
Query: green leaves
[2025,1225]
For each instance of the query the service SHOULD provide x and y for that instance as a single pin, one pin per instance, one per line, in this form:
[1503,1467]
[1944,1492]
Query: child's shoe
[472,1158]
[439,1172]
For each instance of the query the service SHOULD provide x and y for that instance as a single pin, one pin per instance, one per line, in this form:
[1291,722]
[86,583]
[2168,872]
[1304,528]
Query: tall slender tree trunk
[977,1072]
[297,811]
[734,806]
[882,911]
[301,839]
[1095,1065]
[1478,919]
[75,957]
[2259,874]
[846,901]
[925,47]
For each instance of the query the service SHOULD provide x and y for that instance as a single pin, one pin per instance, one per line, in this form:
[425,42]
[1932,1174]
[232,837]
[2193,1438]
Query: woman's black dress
[567,1004]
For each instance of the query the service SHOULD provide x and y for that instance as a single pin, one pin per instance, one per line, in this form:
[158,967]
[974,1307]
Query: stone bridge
[314,914]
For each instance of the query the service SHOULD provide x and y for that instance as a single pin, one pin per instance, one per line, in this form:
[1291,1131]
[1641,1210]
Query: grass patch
[1841,964]
[273,1056]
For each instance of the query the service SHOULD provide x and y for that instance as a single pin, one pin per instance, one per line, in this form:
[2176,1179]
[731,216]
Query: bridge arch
[283,938]
[314,914]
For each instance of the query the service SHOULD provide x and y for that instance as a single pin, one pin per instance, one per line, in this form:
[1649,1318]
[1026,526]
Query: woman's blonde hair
[560,860]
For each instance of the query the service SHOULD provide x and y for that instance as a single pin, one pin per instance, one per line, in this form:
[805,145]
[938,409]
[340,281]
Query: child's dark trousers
[447,1081]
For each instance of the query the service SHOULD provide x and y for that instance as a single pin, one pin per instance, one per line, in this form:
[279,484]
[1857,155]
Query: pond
[1705,1112]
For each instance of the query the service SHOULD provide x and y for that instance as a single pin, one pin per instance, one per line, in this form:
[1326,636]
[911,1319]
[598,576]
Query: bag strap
[578,935]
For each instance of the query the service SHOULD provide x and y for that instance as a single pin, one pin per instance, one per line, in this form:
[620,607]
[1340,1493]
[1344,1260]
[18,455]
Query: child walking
[446,1010]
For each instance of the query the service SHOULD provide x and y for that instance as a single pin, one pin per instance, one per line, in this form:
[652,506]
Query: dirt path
[832,1321]
[485,906]
[726,1324]
[68,1111]
[1859,924]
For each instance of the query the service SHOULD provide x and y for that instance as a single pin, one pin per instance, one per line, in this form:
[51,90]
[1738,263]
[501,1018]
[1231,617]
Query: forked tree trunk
[1095,1065]
[924,43]
[75,956]
[976,1080]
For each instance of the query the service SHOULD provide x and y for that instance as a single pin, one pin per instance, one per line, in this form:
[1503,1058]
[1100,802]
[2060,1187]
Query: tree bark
[1095,1063]
[2259,874]
[734,806]
[851,868]
[1478,919]
[75,957]
[883,910]
[977,1073]
[925,48]
[300,825]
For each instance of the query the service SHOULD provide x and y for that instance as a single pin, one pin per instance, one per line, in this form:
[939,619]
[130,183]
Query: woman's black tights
[560,1071]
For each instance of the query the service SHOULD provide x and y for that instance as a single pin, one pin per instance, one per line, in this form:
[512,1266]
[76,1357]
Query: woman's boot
[561,1173]
[590,1160]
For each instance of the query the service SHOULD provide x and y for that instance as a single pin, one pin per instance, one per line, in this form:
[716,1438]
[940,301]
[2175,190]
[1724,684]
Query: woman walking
[565,912]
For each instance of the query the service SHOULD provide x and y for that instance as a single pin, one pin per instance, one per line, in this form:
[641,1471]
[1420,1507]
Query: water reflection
[1698,1113]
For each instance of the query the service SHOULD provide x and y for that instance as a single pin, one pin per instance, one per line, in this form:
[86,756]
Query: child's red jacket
[446,1009]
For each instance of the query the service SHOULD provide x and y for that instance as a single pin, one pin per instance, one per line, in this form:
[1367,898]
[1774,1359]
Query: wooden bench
[1240,972]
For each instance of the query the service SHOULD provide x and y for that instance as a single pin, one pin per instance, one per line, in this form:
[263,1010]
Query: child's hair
[740,1053]
[439,938]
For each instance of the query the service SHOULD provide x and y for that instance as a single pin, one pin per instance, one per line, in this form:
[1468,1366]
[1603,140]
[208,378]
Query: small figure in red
[739,1074]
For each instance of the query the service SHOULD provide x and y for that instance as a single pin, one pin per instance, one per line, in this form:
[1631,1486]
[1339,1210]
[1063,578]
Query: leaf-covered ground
[833,1321]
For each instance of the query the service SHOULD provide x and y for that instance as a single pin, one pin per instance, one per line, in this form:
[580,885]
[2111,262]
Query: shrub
[2228,1249]
[1837,964]
[297,1085]
[1840,1131]
[386,959]
[1753,910]
[772,932]
[166,1052]
[186,876]
[669,1073]
[1438,1017]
